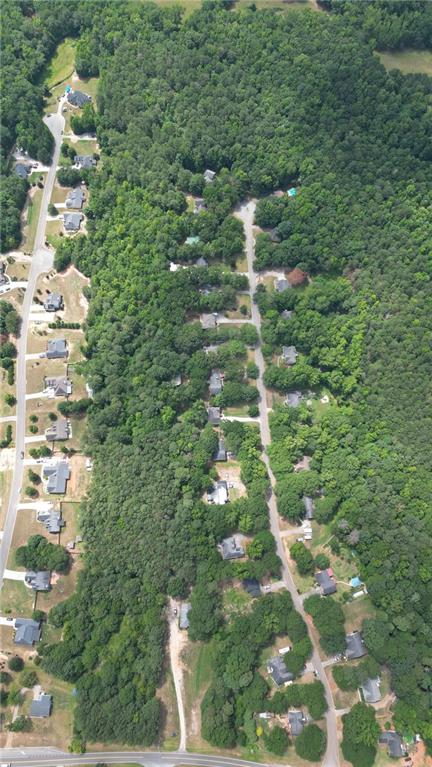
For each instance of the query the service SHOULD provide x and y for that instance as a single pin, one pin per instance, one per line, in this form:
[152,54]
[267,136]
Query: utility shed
[208,321]
[355,647]
[209,176]
[287,314]
[27,631]
[309,506]
[184,615]
[201,261]
[41,707]
[326,582]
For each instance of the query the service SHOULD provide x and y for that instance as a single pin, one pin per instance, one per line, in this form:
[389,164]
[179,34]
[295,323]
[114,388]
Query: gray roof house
[309,506]
[328,586]
[220,453]
[184,615]
[289,355]
[52,520]
[278,671]
[394,743]
[293,398]
[41,706]
[57,349]
[84,161]
[215,382]
[232,548]
[208,321]
[58,430]
[53,302]
[282,284]
[296,721]
[27,631]
[56,476]
[286,314]
[252,586]
[209,176]
[201,261]
[58,386]
[72,221]
[219,494]
[371,690]
[199,205]
[355,647]
[75,198]
[22,170]
[78,98]
[214,415]
[39,580]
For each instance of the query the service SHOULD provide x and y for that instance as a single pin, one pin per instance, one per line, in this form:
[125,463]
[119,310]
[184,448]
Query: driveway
[177,640]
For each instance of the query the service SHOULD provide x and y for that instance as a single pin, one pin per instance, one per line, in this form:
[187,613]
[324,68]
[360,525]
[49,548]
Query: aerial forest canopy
[265,100]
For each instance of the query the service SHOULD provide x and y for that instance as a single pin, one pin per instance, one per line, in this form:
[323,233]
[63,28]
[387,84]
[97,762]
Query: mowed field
[408,61]
[280,5]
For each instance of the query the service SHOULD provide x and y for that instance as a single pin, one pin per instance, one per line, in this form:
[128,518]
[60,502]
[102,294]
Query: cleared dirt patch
[230,472]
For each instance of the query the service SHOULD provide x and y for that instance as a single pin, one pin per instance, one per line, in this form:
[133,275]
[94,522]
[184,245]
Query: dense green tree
[276,741]
[311,743]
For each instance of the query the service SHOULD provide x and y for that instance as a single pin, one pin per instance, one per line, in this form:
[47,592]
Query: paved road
[246,214]
[41,262]
[52,757]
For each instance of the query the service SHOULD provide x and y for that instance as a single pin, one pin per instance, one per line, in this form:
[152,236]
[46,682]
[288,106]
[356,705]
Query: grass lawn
[235,602]
[356,612]
[82,146]
[17,599]
[61,66]
[242,300]
[52,233]
[169,730]
[408,61]
[70,284]
[37,342]
[17,270]
[32,218]
[59,193]
[56,730]
[241,410]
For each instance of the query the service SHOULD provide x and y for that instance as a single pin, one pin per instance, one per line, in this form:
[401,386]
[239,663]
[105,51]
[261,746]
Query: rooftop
[209,176]
[278,671]
[75,198]
[328,586]
[371,690]
[59,386]
[355,647]
[294,398]
[296,721]
[232,548]
[78,98]
[394,743]
[219,494]
[309,507]
[53,302]
[52,520]
[281,285]
[39,580]
[85,160]
[252,586]
[215,382]
[72,221]
[27,631]
[184,615]
[41,706]
[289,354]
[56,476]
[58,430]
[208,321]
[214,415]
[220,453]
[57,348]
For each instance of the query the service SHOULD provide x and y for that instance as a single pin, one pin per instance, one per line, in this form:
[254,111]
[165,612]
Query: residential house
[220,453]
[58,386]
[41,706]
[287,314]
[39,580]
[78,99]
[58,430]
[192,240]
[219,494]
[293,398]
[27,631]
[232,548]
[209,176]
[274,235]
[289,355]
[184,615]
[326,582]
[394,743]
[201,261]
[279,672]
[72,221]
[53,302]
[214,415]
[56,476]
[252,586]
[309,506]
[21,170]
[371,690]
[57,349]
[355,646]
[281,284]
[75,198]
[296,721]
[208,321]
[52,520]
[215,382]
[199,205]
[84,161]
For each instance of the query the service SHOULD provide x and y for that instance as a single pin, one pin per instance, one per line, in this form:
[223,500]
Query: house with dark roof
[84,161]
[220,453]
[78,99]
[72,221]
[214,415]
[184,615]
[326,583]
[55,476]
[41,706]
[355,646]
[75,198]
[232,548]
[52,520]
[371,690]
[219,494]
[309,506]
[279,672]
[394,743]
[252,587]
[209,176]
[21,170]
[293,398]
[58,430]
[27,631]
[53,302]
[39,580]
[57,349]
[215,382]
[58,386]
[208,321]
[296,721]
[281,284]
[289,355]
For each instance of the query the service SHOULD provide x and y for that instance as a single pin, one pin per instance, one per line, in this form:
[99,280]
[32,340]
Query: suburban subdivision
[215,456]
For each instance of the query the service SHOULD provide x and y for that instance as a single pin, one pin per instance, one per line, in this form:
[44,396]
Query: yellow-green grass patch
[61,66]
[16,599]
[17,270]
[83,146]
[31,213]
[36,372]
[408,62]
[235,601]
[242,300]
[357,611]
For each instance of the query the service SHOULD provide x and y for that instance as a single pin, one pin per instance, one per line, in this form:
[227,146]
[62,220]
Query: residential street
[52,757]
[41,262]
[245,213]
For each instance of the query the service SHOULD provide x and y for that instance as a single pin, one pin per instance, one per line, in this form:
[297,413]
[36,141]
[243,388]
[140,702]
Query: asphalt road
[246,214]
[51,757]
[41,261]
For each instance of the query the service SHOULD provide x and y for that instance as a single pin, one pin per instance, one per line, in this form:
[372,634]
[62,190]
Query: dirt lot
[230,472]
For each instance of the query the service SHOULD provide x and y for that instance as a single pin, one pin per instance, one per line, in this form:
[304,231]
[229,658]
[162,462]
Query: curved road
[52,757]
[246,214]
[41,261]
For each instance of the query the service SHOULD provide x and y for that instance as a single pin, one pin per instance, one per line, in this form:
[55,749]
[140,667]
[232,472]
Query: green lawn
[33,210]
[61,65]
[280,5]
[408,61]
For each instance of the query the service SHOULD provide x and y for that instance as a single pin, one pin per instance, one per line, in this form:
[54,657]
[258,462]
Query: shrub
[16,663]
[277,741]
[311,743]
